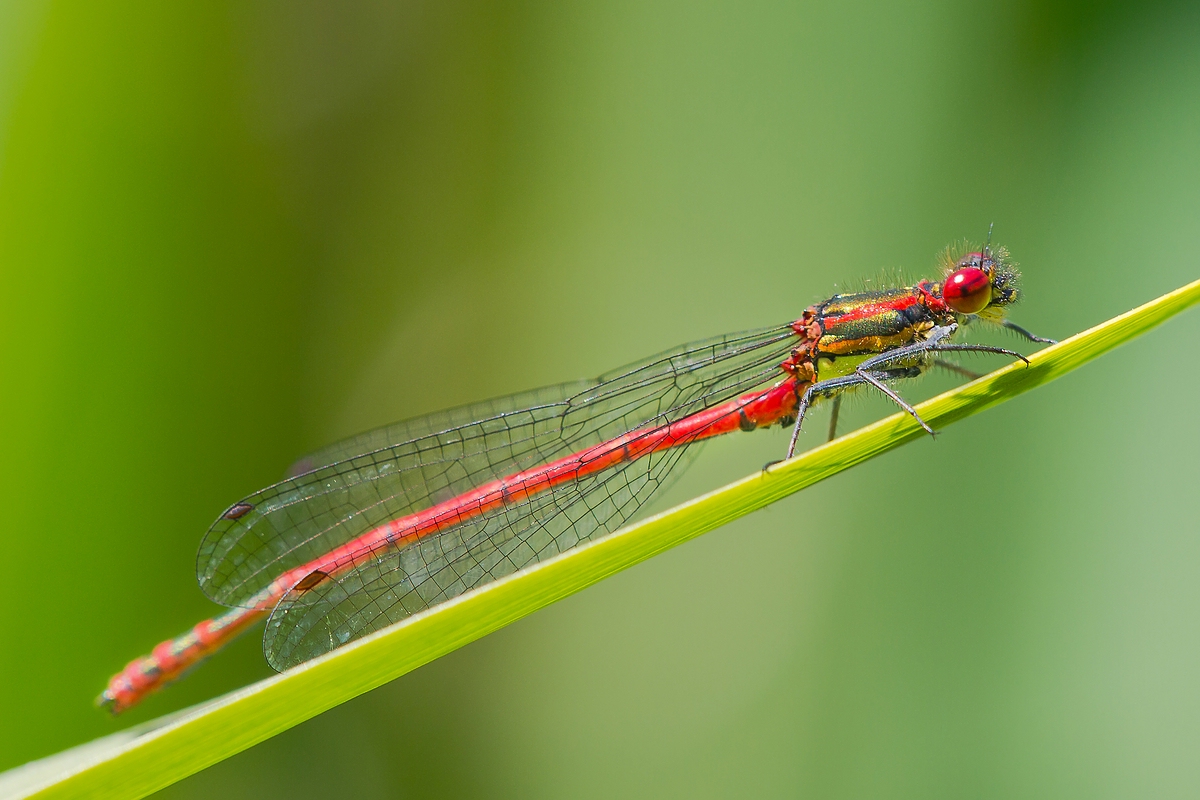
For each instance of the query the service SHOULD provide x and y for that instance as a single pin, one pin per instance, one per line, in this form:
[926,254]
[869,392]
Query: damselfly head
[979,281]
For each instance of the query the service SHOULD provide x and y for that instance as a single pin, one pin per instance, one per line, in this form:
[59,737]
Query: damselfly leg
[835,410]
[1012,326]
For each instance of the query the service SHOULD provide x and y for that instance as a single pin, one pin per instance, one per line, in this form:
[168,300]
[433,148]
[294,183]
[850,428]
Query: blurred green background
[232,232]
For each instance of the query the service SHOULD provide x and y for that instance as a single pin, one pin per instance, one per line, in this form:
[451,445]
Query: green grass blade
[138,762]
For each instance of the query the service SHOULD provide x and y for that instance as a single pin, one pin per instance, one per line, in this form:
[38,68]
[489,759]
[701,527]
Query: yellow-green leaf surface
[138,761]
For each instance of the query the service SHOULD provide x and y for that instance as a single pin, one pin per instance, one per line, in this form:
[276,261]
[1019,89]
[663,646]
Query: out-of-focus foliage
[232,232]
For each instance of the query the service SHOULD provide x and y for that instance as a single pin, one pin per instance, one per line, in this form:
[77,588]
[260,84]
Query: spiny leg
[832,386]
[908,353]
[898,400]
[868,369]
[833,417]
[932,344]
[801,410]
[835,386]
[977,348]
[1012,326]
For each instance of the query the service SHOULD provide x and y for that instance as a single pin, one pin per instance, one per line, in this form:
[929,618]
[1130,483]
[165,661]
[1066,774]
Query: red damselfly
[373,529]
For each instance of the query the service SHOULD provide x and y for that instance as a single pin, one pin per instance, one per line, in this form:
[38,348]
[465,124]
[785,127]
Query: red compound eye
[968,290]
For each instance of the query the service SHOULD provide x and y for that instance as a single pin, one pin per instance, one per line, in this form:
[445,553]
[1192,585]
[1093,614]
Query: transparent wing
[385,589]
[299,520]
[417,427]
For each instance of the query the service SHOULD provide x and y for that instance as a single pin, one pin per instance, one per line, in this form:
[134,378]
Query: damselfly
[373,529]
